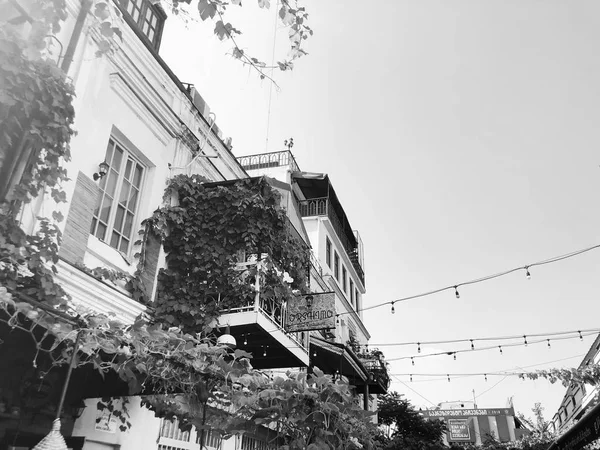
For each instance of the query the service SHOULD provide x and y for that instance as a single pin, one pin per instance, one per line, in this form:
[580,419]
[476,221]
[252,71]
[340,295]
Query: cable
[482,279]
[495,338]
[488,390]
[408,387]
[454,352]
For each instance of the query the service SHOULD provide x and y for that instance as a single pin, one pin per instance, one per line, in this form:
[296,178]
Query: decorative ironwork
[378,372]
[268,160]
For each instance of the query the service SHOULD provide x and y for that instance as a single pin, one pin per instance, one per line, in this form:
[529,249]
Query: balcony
[323,206]
[269,160]
[379,380]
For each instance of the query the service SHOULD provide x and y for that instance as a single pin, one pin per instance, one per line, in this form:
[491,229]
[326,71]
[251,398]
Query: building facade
[137,126]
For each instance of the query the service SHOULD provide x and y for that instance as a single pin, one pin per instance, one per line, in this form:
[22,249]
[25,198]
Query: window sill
[100,254]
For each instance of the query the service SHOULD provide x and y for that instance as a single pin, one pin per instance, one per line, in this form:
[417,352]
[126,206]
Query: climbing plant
[207,231]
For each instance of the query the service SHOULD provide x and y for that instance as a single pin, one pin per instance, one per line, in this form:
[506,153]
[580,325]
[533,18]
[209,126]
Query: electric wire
[420,395]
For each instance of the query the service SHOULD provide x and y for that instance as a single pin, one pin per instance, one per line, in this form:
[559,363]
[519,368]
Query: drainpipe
[366,396]
[86,6]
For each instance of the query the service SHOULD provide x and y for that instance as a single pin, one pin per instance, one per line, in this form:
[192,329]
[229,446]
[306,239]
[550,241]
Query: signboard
[468,412]
[311,312]
[458,430]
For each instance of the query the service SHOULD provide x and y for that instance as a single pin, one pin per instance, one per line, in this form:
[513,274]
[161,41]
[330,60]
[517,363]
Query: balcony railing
[268,160]
[378,373]
[322,207]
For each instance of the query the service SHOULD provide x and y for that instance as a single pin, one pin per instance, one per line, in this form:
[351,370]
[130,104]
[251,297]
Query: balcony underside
[270,345]
[334,358]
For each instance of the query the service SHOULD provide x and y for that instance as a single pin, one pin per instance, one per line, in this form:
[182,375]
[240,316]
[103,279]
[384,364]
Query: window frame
[127,155]
[351,288]
[344,279]
[141,20]
[328,251]
[336,265]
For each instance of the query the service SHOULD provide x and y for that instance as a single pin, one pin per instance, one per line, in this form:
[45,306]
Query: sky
[461,138]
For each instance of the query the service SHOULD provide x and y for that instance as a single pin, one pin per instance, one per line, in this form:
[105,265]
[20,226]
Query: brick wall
[79,220]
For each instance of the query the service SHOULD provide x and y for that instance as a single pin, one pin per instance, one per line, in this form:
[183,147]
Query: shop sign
[459,430]
[311,312]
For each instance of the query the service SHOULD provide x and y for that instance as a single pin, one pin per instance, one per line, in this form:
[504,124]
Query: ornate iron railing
[268,160]
[378,372]
[321,206]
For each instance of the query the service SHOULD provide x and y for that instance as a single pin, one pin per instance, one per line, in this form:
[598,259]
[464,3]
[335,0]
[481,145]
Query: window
[357,299]
[336,266]
[352,293]
[149,18]
[344,279]
[114,216]
[328,252]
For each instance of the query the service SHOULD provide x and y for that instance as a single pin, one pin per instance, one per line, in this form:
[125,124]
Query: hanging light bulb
[337,319]
[580,336]
[527,274]
[454,356]
[500,347]
[393,309]
[485,376]
[548,343]
[456,292]
[472,345]
[245,339]
[418,347]
[525,339]
[264,351]
[411,378]
[448,375]
[412,360]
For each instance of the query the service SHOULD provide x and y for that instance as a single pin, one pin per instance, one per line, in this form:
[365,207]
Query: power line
[408,387]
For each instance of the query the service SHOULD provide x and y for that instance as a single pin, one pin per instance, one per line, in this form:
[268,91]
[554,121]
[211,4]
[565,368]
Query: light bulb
[485,375]
[393,309]
[580,336]
[454,356]
[472,345]
[265,352]
[500,347]
[418,347]
[412,360]
[525,339]
[337,319]
[548,343]
[456,292]
[527,274]
[448,378]
[411,378]
[245,340]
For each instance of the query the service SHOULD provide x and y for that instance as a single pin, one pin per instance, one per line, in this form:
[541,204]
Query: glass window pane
[124,245]
[119,218]
[150,34]
[114,240]
[137,176]
[101,231]
[148,14]
[112,183]
[133,196]
[109,151]
[93,227]
[136,15]
[130,7]
[153,21]
[105,211]
[124,193]
[128,225]
[116,161]
[128,169]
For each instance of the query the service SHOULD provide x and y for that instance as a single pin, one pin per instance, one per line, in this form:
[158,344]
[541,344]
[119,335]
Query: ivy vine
[206,230]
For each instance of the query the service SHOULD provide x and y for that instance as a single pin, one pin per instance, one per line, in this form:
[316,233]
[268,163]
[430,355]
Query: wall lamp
[309,300]
[102,171]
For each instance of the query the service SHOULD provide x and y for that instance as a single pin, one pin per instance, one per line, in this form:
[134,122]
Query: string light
[411,378]
[525,339]
[264,351]
[472,345]
[549,346]
[482,279]
[527,274]
[337,319]
[245,340]
[418,347]
[485,375]
[500,347]
[393,309]
[448,377]
[454,356]
[580,336]
[412,360]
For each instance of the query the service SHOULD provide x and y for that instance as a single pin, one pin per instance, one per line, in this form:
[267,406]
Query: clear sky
[462,139]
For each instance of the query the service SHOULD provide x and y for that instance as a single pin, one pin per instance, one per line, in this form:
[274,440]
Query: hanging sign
[459,430]
[311,312]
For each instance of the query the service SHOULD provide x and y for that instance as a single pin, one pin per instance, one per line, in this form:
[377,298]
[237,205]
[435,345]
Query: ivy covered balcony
[233,261]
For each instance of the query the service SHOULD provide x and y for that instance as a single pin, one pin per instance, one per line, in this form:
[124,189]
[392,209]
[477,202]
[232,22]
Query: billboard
[458,430]
[311,312]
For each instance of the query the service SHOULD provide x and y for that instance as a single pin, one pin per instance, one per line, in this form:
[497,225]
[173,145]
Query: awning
[332,358]
[582,433]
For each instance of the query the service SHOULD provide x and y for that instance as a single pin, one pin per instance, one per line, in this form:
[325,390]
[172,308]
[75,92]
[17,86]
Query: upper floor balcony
[325,206]
[262,161]
[379,379]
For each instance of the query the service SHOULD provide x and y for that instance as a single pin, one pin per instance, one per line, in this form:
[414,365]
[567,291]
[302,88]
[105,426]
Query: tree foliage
[409,429]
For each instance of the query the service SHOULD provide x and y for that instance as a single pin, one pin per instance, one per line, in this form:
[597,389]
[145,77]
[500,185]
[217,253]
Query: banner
[459,430]
[311,312]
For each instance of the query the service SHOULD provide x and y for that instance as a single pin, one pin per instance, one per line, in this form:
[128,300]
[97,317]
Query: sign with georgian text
[458,430]
[468,412]
[311,312]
